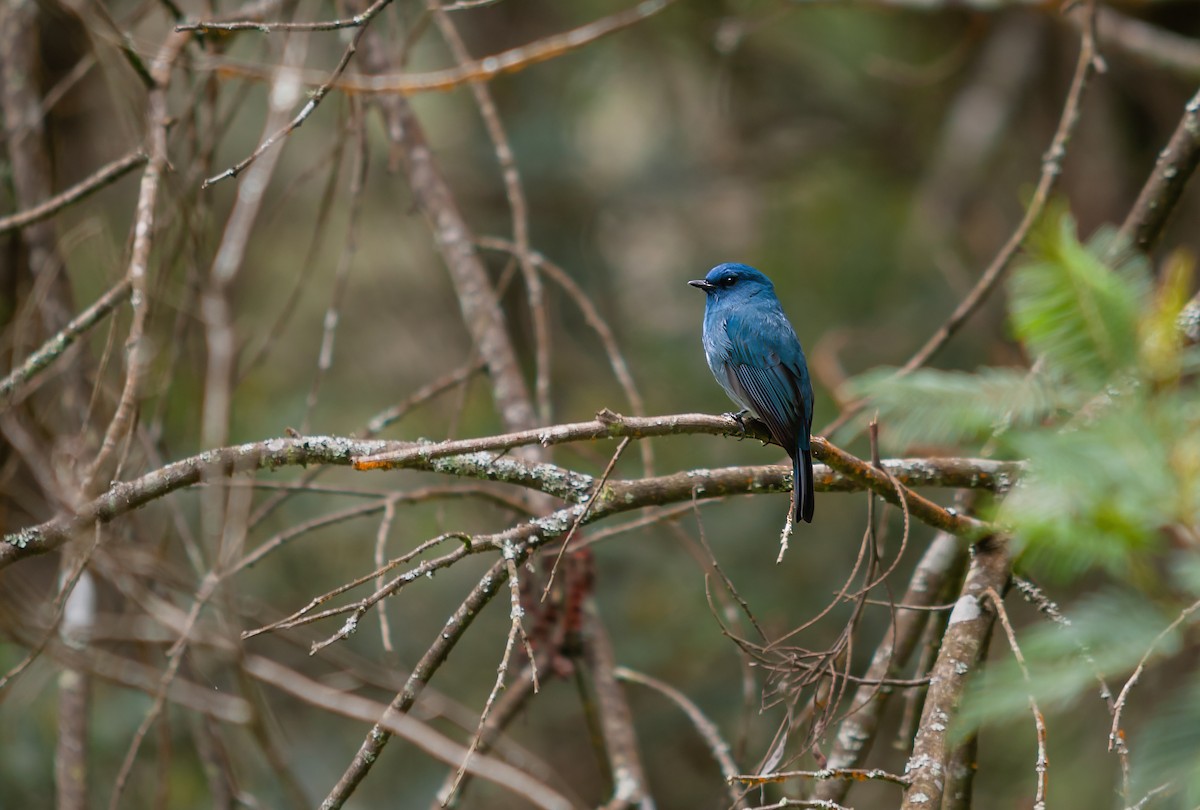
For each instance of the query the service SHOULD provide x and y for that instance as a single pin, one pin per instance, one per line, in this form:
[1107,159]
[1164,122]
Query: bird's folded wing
[767,365]
[775,398]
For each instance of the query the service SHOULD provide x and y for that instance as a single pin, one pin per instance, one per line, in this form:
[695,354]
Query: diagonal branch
[1051,169]
[419,733]
[374,742]
[477,298]
[1162,190]
[963,648]
[108,173]
[54,348]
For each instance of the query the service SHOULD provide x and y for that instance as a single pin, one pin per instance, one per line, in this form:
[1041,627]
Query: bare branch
[433,658]
[1158,46]
[825,774]
[489,67]
[620,741]
[1116,734]
[286,86]
[1085,65]
[518,209]
[157,119]
[1039,720]
[414,731]
[858,730]
[357,21]
[717,746]
[1162,190]
[845,473]
[963,647]
[56,346]
[616,358]
[109,173]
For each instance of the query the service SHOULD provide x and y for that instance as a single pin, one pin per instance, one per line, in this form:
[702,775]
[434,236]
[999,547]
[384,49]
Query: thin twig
[515,629]
[853,774]
[385,525]
[137,272]
[1052,161]
[288,86]
[359,609]
[1156,45]
[708,730]
[612,462]
[489,67]
[379,735]
[812,804]
[108,173]
[857,732]
[54,348]
[249,359]
[518,208]
[504,712]
[1039,720]
[463,5]
[1115,732]
[58,608]
[1117,742]
[174,660]
[357,21]
[388,721]
[1051,169]
[381,421]
[341,275]
[593,318]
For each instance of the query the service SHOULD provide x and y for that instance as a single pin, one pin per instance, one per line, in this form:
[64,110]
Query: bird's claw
[740,418]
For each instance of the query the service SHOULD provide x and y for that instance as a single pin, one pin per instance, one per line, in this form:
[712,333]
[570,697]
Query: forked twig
[1039,720]
[596,490]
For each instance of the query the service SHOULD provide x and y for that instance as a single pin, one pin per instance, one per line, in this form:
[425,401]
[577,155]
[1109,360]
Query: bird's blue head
[731,282]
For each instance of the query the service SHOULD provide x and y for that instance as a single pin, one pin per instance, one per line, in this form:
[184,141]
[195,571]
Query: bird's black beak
[703,285]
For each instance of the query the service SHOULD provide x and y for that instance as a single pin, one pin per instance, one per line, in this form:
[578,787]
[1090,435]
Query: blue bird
[755,355]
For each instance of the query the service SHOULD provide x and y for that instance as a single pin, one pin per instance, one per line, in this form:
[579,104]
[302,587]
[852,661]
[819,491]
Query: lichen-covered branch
[843,473]
[963,647]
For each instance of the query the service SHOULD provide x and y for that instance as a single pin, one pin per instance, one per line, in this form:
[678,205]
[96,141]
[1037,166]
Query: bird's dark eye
[728,281]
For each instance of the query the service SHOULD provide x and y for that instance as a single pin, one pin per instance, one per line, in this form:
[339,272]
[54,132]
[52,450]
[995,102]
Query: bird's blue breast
[718,350]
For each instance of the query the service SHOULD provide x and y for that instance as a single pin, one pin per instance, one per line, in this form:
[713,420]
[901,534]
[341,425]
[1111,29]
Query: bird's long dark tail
[802,485]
